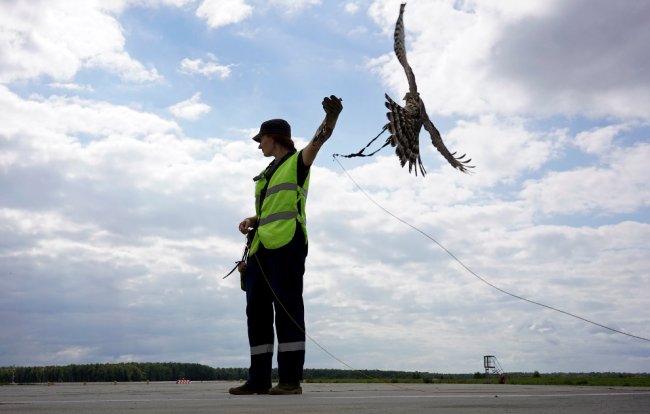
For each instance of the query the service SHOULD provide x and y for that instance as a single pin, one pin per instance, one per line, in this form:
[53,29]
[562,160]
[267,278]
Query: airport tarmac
[213,397]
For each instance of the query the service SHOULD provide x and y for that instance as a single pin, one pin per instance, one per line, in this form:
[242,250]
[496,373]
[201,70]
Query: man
[276,261]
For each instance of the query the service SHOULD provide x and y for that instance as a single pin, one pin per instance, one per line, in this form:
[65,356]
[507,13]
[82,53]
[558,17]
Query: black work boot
[248,389]
[285,388]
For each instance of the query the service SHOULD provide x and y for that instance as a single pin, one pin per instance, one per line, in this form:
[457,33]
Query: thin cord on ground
[474,273]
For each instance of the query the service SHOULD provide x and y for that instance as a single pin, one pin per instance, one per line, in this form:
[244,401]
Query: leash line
[475,274]
[360,152]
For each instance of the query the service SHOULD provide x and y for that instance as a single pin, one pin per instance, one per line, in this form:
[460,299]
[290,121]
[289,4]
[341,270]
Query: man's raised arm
[333,108]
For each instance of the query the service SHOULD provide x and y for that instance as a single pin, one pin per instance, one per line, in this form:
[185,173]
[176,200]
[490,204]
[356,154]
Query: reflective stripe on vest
[278,188]
[279,213]
[283,215]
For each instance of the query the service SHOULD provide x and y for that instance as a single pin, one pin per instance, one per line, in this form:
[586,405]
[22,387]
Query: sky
[126,164]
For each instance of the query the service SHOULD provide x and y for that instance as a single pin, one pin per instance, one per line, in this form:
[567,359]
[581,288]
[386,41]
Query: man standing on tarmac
[273,278]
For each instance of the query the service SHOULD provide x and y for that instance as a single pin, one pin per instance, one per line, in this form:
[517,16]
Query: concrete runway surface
[213,397]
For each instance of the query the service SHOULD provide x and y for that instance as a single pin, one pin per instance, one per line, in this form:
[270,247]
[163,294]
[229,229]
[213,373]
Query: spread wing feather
[457,162]
[404,135]
[400,50]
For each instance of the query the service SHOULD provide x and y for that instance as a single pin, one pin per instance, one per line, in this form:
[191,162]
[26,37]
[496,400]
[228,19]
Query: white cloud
[124,66]
[584,63]
[292,6]
[598,140]
[500,150]
[74,354]
[219,13]
[155,3]
[351,7]
[191,109]
[58,38]
[208,69]
[619,186]
[75,116]
[480,60]
[70,86]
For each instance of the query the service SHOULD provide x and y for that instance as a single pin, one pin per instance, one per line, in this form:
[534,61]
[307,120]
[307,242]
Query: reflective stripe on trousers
[291,346]
[262,349]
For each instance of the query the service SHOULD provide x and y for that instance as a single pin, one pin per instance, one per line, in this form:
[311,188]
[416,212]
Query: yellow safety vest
[283,205]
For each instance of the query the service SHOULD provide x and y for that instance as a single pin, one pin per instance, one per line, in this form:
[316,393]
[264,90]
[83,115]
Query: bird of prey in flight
[405,123]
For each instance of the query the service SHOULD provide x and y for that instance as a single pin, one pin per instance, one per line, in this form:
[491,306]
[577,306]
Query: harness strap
[244,257]
[233,269]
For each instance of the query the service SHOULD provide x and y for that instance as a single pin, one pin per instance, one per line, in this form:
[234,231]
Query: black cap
[274,126]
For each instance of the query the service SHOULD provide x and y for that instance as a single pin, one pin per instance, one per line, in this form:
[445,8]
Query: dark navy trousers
[283,269]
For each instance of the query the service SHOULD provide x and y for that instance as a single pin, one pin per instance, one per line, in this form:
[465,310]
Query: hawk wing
[456,162]
[404,128]
[400,51]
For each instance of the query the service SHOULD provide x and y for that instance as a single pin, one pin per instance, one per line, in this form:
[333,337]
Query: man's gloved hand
[332,106]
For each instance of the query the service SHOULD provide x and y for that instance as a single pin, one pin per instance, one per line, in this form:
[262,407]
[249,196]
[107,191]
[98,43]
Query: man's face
[267,145]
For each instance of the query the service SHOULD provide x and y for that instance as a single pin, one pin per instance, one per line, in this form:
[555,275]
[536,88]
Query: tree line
[122,372]
[171,371]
